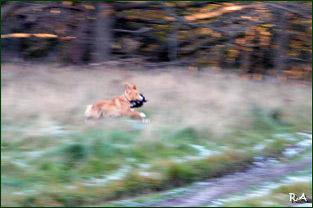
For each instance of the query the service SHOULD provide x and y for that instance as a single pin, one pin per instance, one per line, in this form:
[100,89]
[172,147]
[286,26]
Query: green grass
[99,152]
[211,132]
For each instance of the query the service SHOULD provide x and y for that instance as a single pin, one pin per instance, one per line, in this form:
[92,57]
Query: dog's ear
[127,88]
[134,87]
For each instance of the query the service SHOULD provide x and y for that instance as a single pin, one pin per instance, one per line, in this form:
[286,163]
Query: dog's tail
[88,111]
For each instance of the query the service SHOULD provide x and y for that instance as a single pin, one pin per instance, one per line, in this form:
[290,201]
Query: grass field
[202,125]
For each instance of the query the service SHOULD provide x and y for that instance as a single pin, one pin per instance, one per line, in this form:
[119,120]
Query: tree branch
[60,6]
[181,20]
[140,30]
[126,6]
[219,12]
[287,9]
[142,20]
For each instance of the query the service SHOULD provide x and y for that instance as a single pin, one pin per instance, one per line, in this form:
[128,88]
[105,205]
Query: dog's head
[133,96]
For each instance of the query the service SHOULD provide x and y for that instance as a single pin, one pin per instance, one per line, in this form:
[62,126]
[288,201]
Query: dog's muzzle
[138,103]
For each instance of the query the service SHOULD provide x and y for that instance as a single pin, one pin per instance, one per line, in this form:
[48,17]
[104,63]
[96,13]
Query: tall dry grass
[43,95]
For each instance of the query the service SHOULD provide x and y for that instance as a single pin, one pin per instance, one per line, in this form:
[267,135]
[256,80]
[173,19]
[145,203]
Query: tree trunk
[282,42]
[245,61]
[172,42]
[78,46]
[103,31]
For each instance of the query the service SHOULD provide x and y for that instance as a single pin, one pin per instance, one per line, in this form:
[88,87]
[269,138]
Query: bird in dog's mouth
[138,103]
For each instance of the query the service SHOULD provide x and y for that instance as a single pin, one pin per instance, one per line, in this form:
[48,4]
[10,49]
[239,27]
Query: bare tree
[103,31]
[282,41]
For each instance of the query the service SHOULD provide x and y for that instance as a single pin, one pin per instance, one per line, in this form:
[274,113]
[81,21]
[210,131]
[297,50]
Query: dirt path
[214,188]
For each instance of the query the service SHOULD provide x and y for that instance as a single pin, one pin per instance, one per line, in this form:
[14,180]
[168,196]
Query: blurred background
[253,38]
[229,96]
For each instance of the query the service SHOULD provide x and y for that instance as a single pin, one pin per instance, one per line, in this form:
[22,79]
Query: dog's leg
[136,115]
[144,119]
[142,115]
[88,111]
[92,112]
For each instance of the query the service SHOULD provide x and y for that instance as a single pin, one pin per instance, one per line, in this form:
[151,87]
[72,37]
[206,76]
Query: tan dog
[122,105]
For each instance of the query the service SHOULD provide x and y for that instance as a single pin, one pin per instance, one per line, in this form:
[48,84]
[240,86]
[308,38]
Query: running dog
[122,105]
